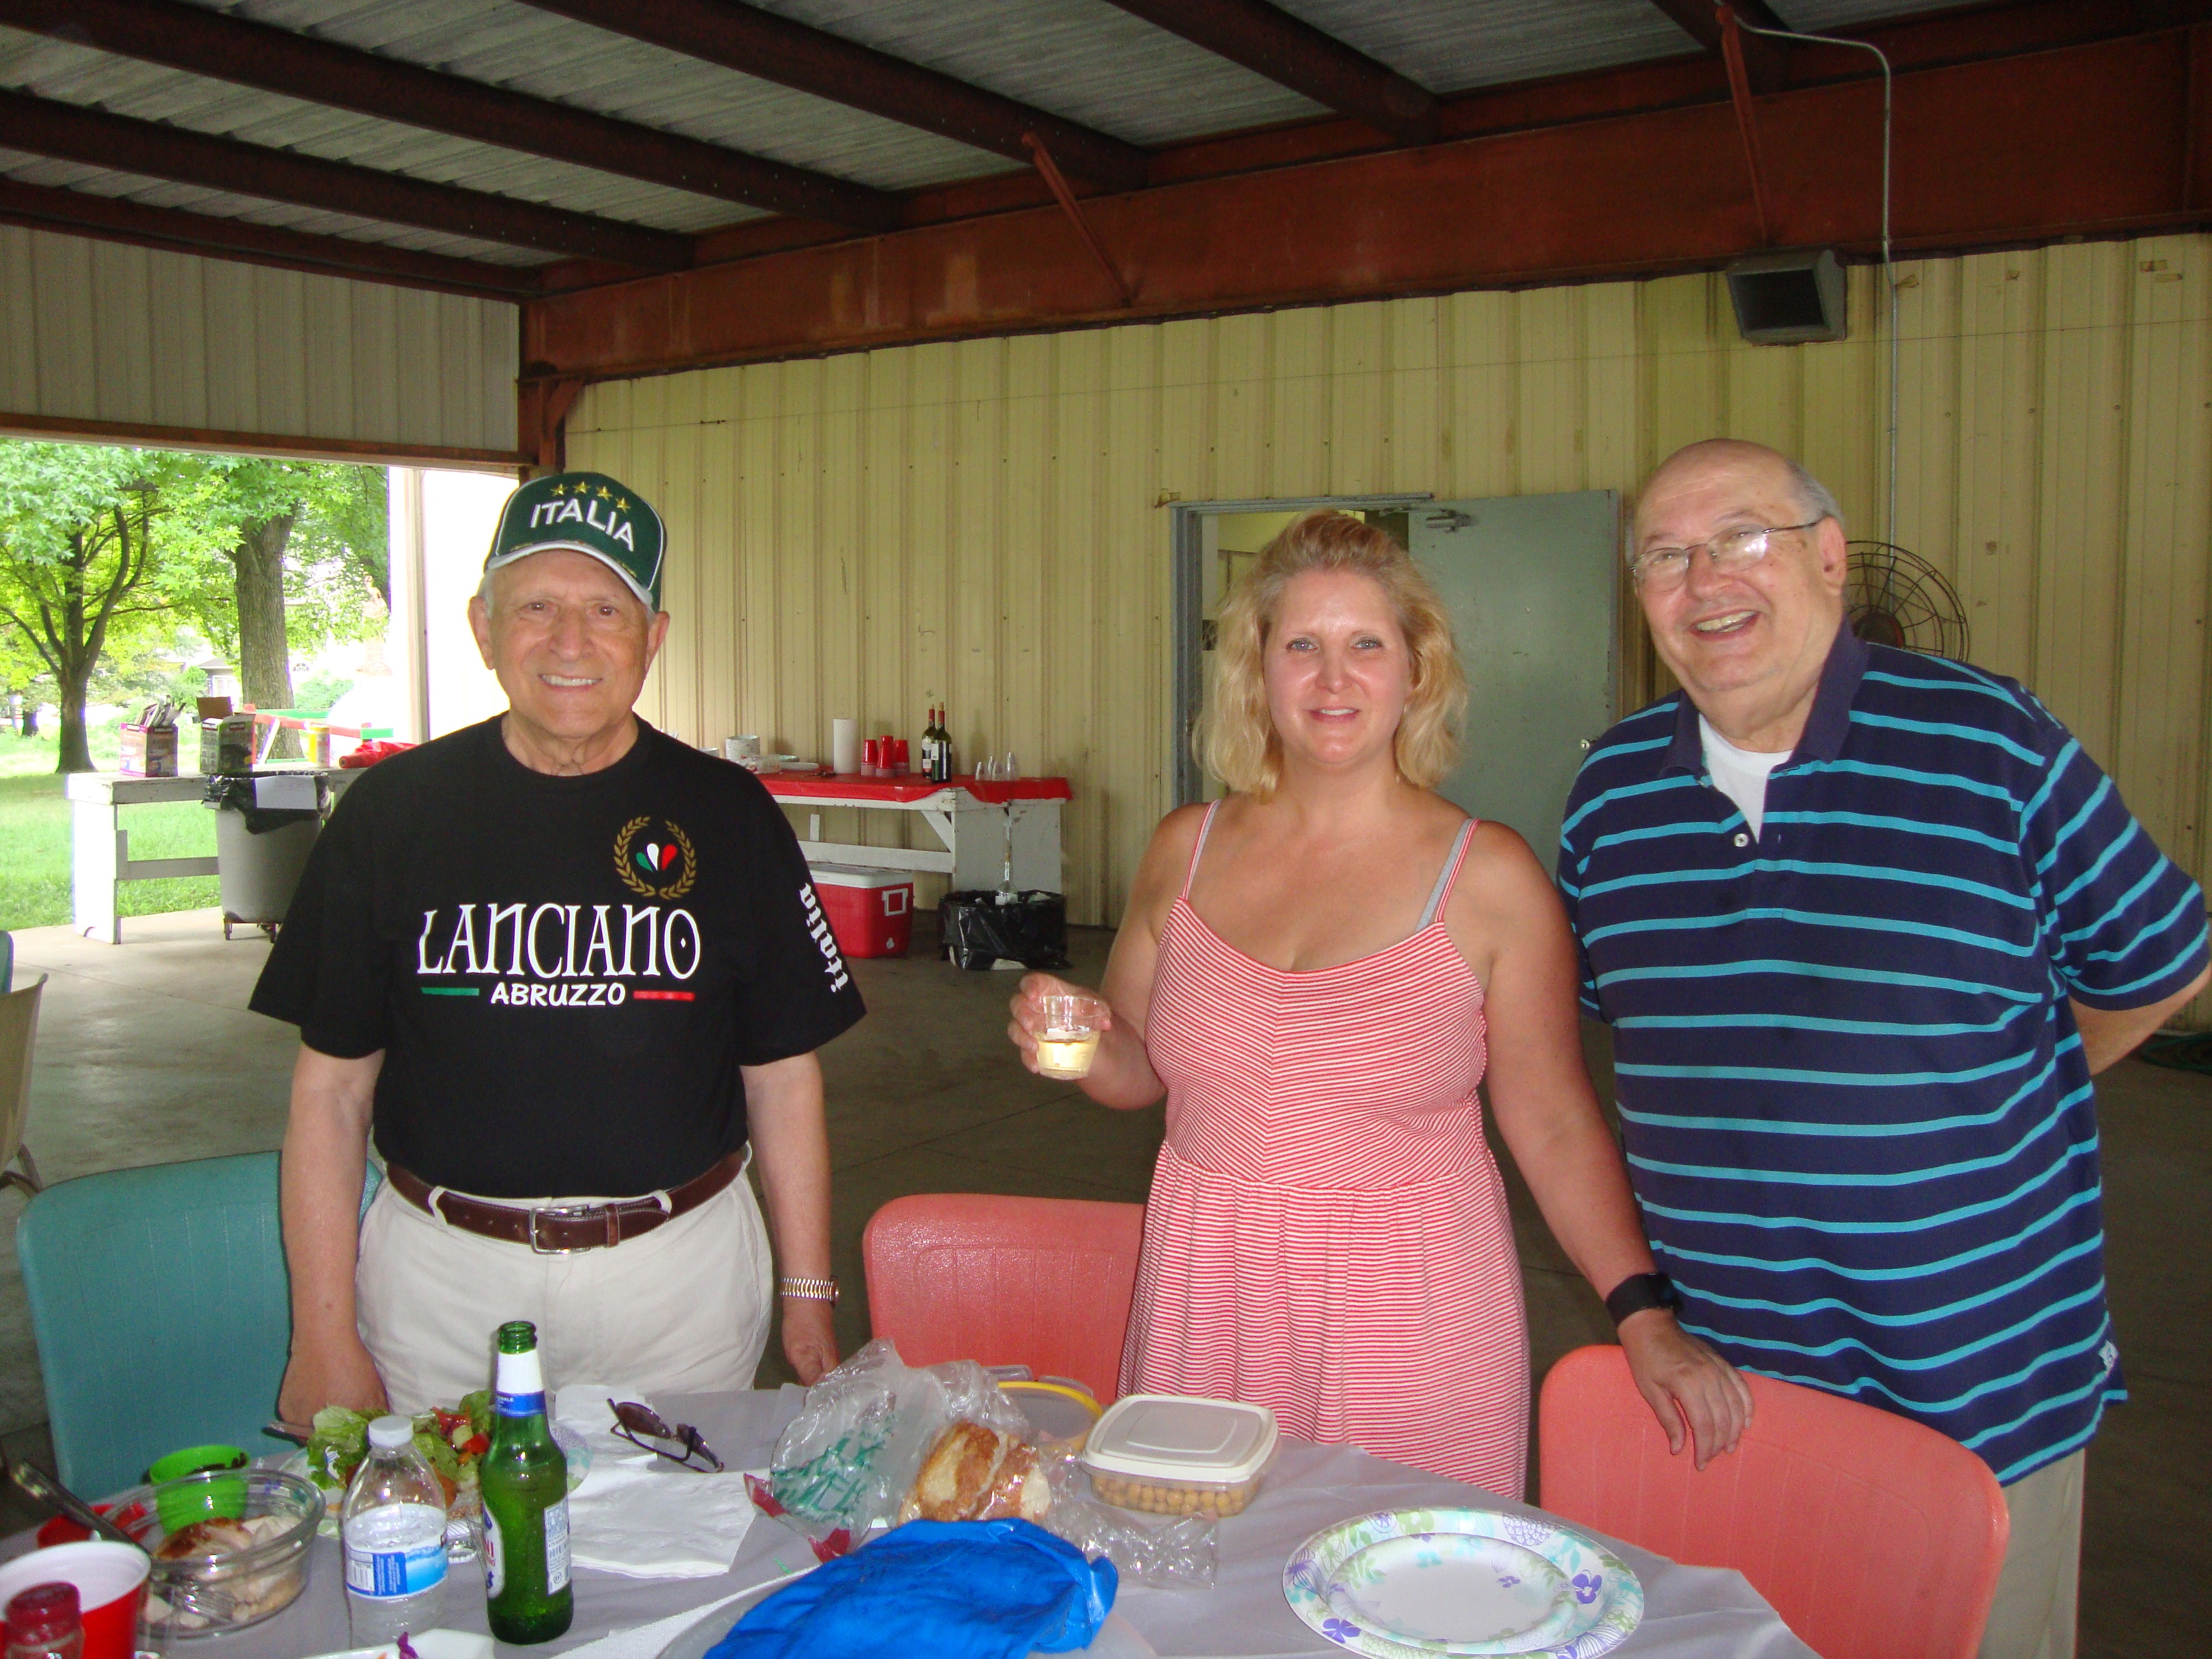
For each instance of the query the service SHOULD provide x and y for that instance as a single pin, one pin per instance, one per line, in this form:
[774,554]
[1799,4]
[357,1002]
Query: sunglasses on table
[642,1427]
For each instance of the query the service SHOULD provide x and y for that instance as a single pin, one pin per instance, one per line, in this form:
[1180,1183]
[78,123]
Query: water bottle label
[394,1550]
[393,1573]
[519,1405]
[556,1544]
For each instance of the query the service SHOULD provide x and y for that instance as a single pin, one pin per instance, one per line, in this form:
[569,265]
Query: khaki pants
[2034,1616]
[682,1310]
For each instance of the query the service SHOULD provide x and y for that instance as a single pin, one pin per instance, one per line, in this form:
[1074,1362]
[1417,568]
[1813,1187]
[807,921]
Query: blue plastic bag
[952,1590]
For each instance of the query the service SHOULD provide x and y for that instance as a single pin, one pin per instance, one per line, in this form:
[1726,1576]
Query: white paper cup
[737,749]
[844,745]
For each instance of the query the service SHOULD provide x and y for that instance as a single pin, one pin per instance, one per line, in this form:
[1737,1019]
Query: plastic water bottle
[394,1527]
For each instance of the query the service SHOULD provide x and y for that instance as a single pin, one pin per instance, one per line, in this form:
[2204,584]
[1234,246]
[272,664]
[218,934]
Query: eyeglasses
[641,1426]
[1662,569]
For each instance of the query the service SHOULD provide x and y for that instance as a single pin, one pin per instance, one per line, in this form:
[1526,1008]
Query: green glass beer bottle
[524,1480]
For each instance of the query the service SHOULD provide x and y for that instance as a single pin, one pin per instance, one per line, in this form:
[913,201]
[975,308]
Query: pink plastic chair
[1874,1537]
[1041,1282]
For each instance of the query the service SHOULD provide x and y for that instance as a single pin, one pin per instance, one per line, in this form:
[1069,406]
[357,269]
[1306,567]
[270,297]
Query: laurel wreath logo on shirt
[639,865]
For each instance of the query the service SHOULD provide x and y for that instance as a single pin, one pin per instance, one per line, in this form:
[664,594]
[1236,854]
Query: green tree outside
[105,551]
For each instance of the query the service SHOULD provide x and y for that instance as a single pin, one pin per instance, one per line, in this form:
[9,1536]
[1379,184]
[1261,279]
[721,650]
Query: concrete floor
[146,1055]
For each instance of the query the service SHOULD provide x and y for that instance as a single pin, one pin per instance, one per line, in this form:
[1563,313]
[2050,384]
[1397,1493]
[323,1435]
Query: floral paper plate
[1417,1584]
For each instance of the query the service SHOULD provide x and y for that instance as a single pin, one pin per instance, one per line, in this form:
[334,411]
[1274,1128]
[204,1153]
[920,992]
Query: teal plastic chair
[162,1313]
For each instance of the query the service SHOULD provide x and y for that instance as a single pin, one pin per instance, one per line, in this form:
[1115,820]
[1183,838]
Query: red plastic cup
[111,1587]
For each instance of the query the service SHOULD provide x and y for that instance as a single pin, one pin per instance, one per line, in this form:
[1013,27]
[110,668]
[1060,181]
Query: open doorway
[1532,585]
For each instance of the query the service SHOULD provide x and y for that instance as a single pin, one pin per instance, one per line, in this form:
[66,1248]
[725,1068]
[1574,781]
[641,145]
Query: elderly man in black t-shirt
[568,970]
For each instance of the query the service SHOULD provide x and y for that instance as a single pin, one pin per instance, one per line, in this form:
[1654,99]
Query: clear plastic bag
[849,1458]
[849,1462]
[1180,1555]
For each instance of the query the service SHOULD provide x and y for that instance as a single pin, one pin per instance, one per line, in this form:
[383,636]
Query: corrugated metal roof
[1083,59]
[1820,16]
[526,49]
[223,204]
[1086,60]
[1449,47]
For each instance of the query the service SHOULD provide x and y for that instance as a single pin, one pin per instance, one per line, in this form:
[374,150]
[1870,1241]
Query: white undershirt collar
[1739,774]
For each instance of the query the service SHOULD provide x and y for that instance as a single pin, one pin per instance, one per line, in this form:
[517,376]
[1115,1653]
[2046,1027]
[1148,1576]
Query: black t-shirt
[564,973]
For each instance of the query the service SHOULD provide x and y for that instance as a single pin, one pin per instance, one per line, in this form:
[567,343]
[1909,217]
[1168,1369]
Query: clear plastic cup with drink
[1069,1042]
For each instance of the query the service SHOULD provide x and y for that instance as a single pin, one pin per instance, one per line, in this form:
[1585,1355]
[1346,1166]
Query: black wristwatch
[1639,1291]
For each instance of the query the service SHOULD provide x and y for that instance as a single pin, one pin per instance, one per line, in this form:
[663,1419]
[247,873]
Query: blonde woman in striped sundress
[1317,971]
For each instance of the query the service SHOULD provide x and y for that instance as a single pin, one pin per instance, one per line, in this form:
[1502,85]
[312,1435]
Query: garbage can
[260,851]
[980,929]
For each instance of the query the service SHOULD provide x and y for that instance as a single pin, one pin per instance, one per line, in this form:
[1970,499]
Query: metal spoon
[35,1482]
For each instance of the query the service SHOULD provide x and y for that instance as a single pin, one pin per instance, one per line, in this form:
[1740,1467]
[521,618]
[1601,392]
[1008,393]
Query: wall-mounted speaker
[1787,299]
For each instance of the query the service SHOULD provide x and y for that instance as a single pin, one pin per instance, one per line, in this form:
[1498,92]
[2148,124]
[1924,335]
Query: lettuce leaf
[335,1448]
[477,1408]
[435,1447]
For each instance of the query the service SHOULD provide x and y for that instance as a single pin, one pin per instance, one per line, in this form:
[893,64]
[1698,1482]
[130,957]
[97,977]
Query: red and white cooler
[870,911]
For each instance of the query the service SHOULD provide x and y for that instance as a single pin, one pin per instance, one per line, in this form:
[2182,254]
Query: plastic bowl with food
[243,1560]
[1179,1455]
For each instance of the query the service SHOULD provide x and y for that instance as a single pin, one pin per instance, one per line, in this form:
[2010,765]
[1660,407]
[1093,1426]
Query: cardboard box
[149,751]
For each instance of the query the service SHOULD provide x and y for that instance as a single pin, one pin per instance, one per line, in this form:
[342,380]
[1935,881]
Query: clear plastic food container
[246,1561]
[1177,1455]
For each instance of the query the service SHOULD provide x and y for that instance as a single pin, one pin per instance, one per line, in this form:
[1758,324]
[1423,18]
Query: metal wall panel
[100,331]
[981,524]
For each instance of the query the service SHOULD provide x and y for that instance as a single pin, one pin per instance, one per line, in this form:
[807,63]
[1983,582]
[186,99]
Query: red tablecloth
[847,786]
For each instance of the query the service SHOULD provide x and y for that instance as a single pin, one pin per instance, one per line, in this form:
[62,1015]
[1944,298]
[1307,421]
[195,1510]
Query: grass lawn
[34,838]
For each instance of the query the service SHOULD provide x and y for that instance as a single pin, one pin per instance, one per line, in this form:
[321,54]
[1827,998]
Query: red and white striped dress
[1327,1234]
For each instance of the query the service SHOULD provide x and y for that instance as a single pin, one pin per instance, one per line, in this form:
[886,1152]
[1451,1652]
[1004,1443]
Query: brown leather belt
[560,1229]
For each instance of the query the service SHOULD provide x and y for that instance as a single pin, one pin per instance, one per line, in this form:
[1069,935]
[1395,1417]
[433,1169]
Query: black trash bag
[976,930]
[234,792]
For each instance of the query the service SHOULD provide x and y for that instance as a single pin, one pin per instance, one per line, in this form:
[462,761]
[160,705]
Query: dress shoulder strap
[1205,828]
[1446,876]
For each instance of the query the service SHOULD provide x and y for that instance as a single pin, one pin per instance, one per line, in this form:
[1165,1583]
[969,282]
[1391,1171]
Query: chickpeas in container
[1171,1453]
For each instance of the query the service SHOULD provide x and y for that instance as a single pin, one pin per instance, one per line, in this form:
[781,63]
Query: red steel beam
[47,127]
[793,54]
[80,213]
[2084,141]
[1766,61]
[1746,118]
[227,48]
[1073,208]
[1292,52]
[2196,166]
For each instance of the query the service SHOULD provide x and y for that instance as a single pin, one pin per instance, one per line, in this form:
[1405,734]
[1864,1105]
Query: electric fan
[1894,597]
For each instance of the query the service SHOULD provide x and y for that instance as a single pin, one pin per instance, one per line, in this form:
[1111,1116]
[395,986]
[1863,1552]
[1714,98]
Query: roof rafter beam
[211,43]
[81,213]
[769,47]
[1292,52]
[47,127]
[1766,61]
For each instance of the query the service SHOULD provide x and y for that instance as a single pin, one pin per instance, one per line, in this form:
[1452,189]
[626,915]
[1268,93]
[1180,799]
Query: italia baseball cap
[585,513]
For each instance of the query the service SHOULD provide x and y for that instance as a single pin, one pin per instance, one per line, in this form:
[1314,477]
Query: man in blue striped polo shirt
[1865,923]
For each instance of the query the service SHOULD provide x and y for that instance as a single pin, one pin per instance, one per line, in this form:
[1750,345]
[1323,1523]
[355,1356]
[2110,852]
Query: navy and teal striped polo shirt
[1858,1118]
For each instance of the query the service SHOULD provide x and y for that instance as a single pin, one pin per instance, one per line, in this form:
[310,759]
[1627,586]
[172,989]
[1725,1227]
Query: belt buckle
[560,1212]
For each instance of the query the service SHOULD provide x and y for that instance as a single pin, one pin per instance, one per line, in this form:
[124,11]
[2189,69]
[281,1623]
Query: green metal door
[1532,584]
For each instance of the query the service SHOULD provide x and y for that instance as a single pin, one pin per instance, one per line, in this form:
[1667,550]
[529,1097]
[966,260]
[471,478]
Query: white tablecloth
[1690,1612]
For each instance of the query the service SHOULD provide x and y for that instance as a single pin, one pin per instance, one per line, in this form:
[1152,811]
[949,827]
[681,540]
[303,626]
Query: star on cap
[558,491]
[605,494]
[622,503]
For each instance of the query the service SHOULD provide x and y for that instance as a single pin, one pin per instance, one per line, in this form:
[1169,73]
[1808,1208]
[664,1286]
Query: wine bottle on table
[944,748]
[524,1481]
